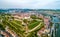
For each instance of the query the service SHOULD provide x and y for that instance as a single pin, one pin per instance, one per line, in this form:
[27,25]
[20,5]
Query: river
[55,20]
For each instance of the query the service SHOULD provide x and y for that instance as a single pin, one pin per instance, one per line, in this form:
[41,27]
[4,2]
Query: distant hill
[26,10]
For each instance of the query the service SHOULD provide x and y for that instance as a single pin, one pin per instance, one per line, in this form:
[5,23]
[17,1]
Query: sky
[30,4]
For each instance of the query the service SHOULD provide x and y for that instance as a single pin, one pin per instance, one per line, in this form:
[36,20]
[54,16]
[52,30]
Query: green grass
[2,27]
[32,25]
[32,21]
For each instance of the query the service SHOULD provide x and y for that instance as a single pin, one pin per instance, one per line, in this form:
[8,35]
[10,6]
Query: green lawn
[32,25]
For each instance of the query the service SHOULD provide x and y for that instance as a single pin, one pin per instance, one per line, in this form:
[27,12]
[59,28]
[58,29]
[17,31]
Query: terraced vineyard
[19,28]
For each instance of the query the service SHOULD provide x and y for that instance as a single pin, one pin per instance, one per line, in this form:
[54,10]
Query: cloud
[35,4]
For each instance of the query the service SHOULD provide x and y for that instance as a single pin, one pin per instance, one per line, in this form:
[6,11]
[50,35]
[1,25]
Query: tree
[33,16]
[25,21]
